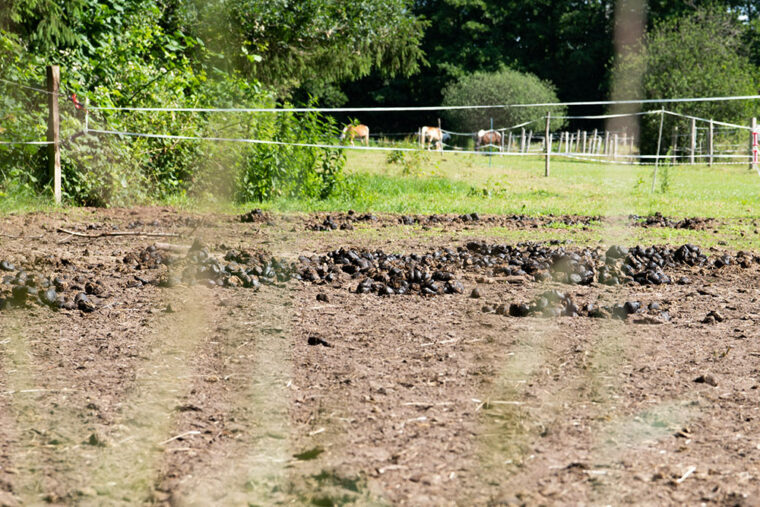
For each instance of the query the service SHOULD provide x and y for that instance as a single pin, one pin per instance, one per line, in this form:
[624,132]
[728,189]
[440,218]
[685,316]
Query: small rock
[316,340]
[454,287]
[48,297]
[323,297]
[84,303]
[487,309]
[87,491]
[706,379]
[475,294]
[519,310]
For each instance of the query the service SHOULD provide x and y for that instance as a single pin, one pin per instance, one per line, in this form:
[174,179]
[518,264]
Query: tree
[700,55]
[288,44]
[567,42]
[505,86]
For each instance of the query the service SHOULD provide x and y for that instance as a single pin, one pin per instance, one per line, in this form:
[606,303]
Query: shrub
[499,88]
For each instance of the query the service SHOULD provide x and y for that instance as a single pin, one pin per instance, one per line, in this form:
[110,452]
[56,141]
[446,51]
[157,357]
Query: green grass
[24,202]
[451,183]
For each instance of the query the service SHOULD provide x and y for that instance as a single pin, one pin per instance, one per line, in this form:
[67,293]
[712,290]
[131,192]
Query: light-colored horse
[488,138]
[430,136]
[354,131]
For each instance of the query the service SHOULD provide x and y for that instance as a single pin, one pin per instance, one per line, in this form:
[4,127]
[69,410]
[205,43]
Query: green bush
[270,171]
[142,64]
[499,88]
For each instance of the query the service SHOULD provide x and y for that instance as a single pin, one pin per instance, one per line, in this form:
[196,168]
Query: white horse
[430,136]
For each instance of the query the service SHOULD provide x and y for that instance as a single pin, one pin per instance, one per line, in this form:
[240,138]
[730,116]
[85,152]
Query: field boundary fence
[693,140]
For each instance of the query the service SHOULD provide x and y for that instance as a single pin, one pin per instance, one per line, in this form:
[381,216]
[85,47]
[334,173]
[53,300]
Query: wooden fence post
[548,143]
[522,140]
[530,140]
[584,141]
[614,147]
[693,141]
[54,130]
[657,156]
[711,144]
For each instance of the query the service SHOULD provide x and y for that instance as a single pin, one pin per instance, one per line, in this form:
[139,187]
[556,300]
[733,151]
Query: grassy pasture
[450,183]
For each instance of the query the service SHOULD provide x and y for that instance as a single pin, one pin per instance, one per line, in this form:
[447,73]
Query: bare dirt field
[394,360]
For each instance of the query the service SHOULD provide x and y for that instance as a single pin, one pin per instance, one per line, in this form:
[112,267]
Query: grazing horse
[486,138]
[432,134]
[354,131]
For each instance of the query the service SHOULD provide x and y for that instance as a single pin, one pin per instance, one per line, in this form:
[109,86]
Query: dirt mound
[338,221]
[255,216]
[658,220]
[346,221]
[235,268]
[384,274]
[435,272]
[50,282]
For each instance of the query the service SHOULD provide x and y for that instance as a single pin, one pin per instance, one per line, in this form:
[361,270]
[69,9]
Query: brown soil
[297,392]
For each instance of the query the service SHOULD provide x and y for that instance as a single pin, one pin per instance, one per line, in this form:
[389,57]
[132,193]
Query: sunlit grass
[451,183]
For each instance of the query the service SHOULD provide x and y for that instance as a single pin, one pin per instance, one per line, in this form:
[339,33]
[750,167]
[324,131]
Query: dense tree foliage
[190,53]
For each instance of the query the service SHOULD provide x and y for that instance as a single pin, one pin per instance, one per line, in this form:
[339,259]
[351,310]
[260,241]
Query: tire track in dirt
[53,428]
[248,462]
[75,400]
[145,422]
[251,459]
[17,386]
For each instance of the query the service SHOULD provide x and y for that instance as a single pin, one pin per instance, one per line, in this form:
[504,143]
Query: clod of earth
[555,303]
[342,221]
[706,379]
[713,317]
[254,216]
[658,220]
[316,340]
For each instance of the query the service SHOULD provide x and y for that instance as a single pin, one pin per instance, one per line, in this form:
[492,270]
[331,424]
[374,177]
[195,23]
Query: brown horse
[354,131]
[432,134]
[488,138]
